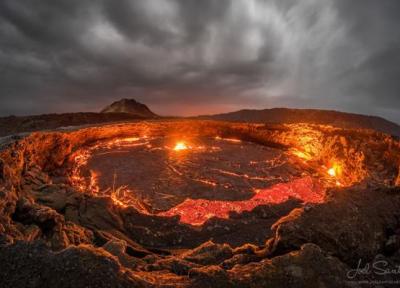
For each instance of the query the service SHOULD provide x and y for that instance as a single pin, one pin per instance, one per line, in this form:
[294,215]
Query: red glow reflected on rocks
[197,212]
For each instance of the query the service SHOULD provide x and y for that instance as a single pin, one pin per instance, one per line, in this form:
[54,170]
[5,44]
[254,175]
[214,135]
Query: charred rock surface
[53,234]
[344,218]
[34,265]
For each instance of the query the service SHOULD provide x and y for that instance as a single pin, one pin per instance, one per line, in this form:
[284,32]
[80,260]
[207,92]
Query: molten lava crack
[198,211]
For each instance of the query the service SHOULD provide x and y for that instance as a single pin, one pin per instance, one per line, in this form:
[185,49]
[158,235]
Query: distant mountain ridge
[313,116]
[129,106]
[19,124]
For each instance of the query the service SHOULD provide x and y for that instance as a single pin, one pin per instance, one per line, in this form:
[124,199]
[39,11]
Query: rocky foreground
[52,235]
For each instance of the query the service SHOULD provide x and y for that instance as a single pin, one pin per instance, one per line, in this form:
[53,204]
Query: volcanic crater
[196,178]
[203,202]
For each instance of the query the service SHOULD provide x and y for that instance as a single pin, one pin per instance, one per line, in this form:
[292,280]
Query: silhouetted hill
[314,116]
[130,106]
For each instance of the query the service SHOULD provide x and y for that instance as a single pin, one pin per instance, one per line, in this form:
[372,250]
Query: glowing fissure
[198,211]
[234,140]
[246,176]
[205,181]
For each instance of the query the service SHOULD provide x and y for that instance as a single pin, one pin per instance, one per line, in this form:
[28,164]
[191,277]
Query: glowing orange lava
[180,146]
[335,170]
[229,139]
[332,172]
[301,154]
[197,212]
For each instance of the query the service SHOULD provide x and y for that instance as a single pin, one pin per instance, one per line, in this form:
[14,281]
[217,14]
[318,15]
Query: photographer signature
[378,268]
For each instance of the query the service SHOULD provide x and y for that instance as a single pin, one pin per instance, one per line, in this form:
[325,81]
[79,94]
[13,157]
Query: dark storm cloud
[373,83]
[191,56]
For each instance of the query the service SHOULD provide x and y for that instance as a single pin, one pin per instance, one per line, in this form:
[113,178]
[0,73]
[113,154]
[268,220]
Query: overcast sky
[188,57]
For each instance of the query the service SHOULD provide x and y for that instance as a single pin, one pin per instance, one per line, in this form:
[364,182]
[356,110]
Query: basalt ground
[198,204]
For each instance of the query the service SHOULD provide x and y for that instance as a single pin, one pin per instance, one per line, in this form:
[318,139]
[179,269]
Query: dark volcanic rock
[351,225]
[308,267]
[129,106]
[1,170]
[33,265]
[209,253]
